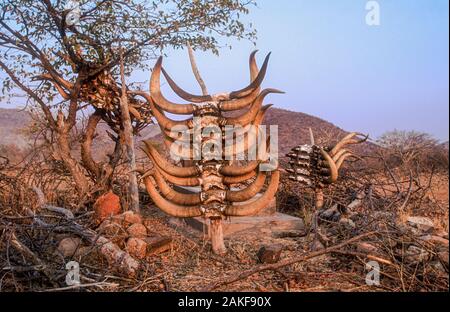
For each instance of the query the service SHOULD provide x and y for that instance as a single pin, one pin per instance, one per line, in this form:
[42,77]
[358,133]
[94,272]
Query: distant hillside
[292,130]
[12,124]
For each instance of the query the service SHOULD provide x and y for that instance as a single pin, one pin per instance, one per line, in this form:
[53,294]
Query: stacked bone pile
[316,166]
[103,93]
[213,169]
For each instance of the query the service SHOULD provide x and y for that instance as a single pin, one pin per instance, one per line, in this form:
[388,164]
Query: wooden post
[319,197]
[216,234]
[129,142]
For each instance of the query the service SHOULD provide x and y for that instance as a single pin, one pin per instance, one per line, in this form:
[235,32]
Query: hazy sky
[333,65]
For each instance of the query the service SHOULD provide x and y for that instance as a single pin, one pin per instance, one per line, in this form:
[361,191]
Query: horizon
[334,66]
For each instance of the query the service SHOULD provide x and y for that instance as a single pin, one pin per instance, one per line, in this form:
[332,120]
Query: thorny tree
[64,56]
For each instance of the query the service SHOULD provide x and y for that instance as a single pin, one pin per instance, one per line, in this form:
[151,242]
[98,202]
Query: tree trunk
[63,149]
[129,142]
[216,234]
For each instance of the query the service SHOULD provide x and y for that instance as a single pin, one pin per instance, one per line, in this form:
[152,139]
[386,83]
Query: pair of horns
[178,210]
[247,94]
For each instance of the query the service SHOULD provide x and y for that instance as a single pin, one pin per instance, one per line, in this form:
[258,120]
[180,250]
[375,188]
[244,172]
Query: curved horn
[340,161]
[258,204]
[189,181]
[183,94]
[238,179]
[168,207]
[348,140]
[155,90]
[253,66]
[180,172]
[247,100]
[168,123]
[243,145]
[163,121]
[174,196]
[185,153]
[248,192]
[255,83]
[339,154]
[331,165]
[235,170]
[240,103]
[250,115]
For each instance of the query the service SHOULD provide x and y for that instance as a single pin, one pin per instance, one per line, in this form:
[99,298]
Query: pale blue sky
[333,65]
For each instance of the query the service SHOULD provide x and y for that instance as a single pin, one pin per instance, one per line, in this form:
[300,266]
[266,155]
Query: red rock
[106,206]
[136,247]
[137,230]
[130,217]
[68,246]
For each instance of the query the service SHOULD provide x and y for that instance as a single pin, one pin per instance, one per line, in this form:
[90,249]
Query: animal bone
[214,171]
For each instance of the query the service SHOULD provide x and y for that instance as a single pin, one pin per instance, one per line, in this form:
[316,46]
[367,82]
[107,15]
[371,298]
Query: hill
[293,129]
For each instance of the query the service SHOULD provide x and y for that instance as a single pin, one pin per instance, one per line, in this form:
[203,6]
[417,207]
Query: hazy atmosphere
[330,63]
[155,147]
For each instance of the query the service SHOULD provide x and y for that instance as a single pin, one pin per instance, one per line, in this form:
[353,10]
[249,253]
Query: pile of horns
[316,166]
[216,170]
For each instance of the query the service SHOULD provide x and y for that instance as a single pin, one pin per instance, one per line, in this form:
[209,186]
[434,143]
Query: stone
[416,254]
[347,223]
[331,214]
[421,223]
[136,247]
[137,230]
[68,246]
[442,234]
[264,225]
[440,242]
[443,257]
[110,228]
[317,245]
[128,218]
[290,234]
[157,245]
[437,265]
[365,247]
[270,253]
[106,206]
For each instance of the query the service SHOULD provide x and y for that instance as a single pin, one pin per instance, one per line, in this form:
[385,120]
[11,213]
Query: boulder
[439,242]
[130,217]
[136,247]
[347,223]
[106,206]
[317,245]
[365,247]
[331,214]
[68,246]
[421,223]
[270,253]
[443,257]
[416,254]
[137,230]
